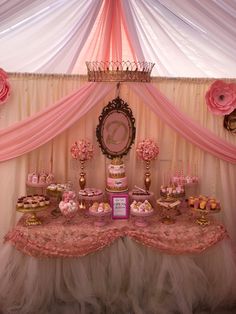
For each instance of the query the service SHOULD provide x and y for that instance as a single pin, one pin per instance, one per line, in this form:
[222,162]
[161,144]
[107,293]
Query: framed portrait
[120,206]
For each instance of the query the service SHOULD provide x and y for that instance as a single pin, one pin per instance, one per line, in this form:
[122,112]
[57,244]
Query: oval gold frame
[116,129]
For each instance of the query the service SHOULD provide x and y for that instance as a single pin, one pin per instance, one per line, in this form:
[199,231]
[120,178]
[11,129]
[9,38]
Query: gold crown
[119,71]
[117,161]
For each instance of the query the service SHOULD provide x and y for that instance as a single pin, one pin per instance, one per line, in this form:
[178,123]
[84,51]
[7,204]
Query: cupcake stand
[32,219]
[86,201]
[167,205]
[100,217]
[141,217]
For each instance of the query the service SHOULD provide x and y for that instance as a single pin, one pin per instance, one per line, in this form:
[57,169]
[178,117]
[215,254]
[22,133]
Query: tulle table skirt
[117,269]
[123,278]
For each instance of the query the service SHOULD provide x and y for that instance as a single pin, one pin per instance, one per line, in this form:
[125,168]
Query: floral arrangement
[4,87]
[147,150]
[221,98]
[82,150]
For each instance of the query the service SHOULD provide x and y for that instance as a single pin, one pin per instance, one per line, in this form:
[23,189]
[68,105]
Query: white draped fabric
[184,38]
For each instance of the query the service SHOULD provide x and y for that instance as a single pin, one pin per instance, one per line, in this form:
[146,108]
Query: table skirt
[125,277]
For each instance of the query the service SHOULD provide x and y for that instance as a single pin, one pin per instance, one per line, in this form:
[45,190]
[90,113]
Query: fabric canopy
[183,38]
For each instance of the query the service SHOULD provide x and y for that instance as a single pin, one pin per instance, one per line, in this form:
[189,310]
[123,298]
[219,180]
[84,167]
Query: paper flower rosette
[4,87]
[147,150]
[221,98]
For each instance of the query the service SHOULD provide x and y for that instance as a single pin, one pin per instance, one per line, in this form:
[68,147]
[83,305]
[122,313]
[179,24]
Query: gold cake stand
[58,196]
[203,220]
[32,219]
[166,205]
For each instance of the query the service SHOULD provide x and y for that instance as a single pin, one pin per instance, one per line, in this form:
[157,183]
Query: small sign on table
[120,206]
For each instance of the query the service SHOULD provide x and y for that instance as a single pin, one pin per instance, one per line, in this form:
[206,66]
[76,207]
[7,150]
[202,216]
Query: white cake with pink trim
[116,178]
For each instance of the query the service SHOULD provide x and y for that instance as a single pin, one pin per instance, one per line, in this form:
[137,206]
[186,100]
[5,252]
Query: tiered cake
[116,178]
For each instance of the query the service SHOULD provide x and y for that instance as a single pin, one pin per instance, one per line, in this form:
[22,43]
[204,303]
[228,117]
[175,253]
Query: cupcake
[42,202]
[26,204]
[34,204]
[20,203]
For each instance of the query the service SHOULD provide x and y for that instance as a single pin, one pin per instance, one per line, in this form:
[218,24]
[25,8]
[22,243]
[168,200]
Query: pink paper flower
[82,150]
[4,87]
[147,150]
[221,98]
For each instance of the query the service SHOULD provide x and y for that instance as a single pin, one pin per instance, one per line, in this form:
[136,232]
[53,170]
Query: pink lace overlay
[55,238]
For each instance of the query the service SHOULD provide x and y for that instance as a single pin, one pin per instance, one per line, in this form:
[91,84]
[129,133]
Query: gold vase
[82,178]
[147,176]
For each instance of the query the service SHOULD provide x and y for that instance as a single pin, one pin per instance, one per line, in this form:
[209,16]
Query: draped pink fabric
[182,124]
[106,41]
[34,131]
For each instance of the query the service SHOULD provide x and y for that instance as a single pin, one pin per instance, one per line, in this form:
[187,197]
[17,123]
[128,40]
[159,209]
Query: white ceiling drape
[184,38]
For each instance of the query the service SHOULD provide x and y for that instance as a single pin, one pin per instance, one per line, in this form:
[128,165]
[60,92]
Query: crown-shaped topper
[117,161]
[119,71]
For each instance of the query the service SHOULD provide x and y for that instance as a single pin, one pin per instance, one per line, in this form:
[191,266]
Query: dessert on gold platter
[204,205]
[172,191]
[100,210]
[141,210]
[32,204]
[56,190]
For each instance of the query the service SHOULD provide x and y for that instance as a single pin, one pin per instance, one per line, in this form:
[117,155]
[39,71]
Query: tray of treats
[32,203]
[139,191]
[172,192]
[100,211]
[90,192]
[141,211]
[204,203]
[42,179]
[141,208]
[56,187]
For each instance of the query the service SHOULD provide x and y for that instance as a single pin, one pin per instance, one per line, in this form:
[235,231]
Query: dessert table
[76,267]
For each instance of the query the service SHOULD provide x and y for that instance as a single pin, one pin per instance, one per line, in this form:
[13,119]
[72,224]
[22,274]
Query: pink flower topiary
[147,150]
[82,150]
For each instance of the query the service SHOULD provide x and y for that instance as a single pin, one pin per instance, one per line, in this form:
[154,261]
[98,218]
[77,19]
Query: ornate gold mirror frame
[116,129]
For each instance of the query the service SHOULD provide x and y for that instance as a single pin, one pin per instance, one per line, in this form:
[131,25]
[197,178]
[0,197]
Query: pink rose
[221,98]
[4,87]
